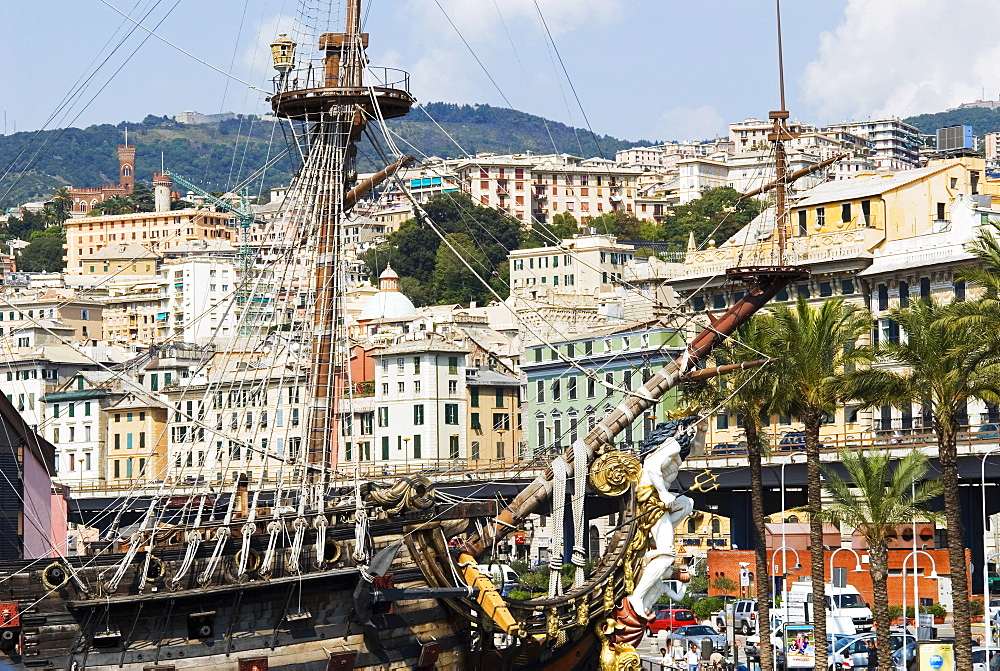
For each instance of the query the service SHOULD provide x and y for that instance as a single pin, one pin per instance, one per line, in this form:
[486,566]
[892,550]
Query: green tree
[816,344]
[453,281]
[564,226]
[44,252]
[875,499]
[413,249]
[62,205]
[943,362]
[620,223]
[718,214]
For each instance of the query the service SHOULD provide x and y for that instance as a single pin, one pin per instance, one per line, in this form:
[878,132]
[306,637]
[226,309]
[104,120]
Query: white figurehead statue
[664,449]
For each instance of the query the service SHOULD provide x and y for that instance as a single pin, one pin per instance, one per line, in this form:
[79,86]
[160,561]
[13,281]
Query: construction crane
[244,217]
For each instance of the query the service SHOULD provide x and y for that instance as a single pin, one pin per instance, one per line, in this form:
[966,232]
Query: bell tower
[126,166]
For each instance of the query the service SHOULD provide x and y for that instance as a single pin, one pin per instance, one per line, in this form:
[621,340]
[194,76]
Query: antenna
[126,135]
[162,169]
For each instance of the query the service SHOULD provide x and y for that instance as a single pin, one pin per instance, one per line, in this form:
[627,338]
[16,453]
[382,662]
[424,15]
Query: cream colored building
[870,240]
[155,231]
[580,270]
[536,188]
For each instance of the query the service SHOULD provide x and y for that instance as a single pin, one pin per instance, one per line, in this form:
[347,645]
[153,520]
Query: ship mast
[779,135]
[328,97]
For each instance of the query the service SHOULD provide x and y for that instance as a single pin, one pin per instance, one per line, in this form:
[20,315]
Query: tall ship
[303,563]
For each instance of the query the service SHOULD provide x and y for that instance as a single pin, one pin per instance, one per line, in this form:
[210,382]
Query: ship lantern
[283,54]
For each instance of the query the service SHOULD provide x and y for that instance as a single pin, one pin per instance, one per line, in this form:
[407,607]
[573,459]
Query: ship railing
[313,76]
[969,442]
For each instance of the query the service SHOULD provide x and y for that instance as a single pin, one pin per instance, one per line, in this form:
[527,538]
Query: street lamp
[784,462]
[916,595]
[406,453]
[986,556]
[857,559]
[986,597]
[784,574]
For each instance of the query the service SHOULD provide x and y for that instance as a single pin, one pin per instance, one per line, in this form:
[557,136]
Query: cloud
[480,21]
[689,123]
[895,58]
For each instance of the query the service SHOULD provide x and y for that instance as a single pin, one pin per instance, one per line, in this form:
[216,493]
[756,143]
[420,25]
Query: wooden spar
[709,373]
[792,176]
[769,281]
[364,187]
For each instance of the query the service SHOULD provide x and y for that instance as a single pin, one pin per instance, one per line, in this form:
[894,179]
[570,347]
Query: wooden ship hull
[62,618]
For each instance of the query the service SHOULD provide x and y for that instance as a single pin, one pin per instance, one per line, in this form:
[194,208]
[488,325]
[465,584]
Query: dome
[386,305]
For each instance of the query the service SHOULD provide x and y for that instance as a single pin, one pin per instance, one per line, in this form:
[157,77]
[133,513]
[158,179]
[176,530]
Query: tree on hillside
[718,215]
[22,227]
[620,223]
[44,252]
[413,249]
[564,226]
[60,206]
[453,281]
[875,500]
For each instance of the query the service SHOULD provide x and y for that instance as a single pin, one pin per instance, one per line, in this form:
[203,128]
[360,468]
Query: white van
[503,576]
[846,610]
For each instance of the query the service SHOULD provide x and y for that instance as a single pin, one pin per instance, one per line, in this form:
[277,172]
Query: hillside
[981,119]
[220,154]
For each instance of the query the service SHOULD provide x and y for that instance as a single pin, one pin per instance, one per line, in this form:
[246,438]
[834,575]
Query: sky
[635,69]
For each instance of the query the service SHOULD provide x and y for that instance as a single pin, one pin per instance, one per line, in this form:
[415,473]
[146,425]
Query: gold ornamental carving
[612,473]
[616,656]
[649,509]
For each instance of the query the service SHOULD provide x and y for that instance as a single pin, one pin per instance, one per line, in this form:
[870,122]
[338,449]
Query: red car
[667,618]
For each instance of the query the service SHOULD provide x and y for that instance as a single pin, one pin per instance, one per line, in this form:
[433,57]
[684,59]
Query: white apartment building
[536,188]
[582,269]
[76,423]
[991,147]
[238,422]
[420,405]
[895,144]
[201,298]
[696,175]
[750,135]
[665,157]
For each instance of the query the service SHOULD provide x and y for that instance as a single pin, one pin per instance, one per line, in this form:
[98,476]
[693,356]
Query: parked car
[851,652]
[729,448]
[988,431]
[979,662]
[745,616]
[671,618]
[696,633]
[793,441]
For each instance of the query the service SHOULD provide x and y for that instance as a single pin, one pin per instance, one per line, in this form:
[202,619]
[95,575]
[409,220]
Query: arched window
[716,527]
[692,525]
[767,520]
[792,519]
[126,170]
[595,542]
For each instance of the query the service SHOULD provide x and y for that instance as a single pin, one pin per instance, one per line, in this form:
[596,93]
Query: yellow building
[137,441]
[876,241]
[494,415]
[702,531]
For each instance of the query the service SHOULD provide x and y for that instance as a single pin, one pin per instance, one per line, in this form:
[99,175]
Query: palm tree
[755,391]
[816,344]
[875,499]
[943,362]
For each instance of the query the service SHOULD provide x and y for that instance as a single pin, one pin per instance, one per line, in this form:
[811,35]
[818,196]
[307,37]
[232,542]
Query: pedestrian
[664,658]
[692,658]
[872,654]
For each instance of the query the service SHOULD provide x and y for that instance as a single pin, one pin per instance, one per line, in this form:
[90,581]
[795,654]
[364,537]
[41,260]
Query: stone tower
[126,167]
